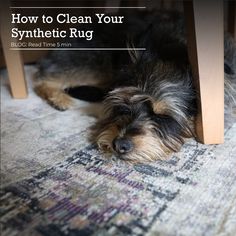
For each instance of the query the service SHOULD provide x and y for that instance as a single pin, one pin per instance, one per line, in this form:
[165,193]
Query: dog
[149,96]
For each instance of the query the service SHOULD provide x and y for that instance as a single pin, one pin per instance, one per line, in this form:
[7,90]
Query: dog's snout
[122,145]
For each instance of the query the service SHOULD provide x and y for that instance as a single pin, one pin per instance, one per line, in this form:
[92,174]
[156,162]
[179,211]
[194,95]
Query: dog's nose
[122,145]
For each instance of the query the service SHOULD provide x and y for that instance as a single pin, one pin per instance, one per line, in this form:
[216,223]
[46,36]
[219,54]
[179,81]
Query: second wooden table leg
[204,20]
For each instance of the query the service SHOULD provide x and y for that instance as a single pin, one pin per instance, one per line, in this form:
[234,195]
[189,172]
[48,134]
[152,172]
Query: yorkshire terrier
[149,96]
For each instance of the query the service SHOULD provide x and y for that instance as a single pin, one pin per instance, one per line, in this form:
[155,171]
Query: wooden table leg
[13,58]
[204,19]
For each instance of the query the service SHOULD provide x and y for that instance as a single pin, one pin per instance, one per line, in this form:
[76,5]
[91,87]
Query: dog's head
[136,128]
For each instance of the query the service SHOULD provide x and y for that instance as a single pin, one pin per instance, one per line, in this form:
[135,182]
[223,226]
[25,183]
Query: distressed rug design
[55,183]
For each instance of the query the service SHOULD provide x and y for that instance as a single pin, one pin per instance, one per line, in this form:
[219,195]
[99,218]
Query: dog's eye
[121,110]
[135,131]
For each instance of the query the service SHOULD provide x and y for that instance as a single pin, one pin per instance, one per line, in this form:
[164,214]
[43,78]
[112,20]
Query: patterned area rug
[55,183]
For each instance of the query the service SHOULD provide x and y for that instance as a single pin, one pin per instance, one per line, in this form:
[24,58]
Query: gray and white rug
[55,183]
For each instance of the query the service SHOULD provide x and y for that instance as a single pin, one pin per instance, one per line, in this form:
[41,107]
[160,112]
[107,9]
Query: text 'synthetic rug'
[55,183]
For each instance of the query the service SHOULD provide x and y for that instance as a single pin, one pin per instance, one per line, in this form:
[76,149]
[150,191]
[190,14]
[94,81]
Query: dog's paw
[61,102]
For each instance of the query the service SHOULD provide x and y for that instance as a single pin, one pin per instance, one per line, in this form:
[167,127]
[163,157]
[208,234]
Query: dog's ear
[133,53]
[139,45]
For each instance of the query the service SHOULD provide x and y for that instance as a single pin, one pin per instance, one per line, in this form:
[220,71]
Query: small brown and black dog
[149,97]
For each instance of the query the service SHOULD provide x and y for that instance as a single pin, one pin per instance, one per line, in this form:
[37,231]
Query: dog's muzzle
[122,145]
